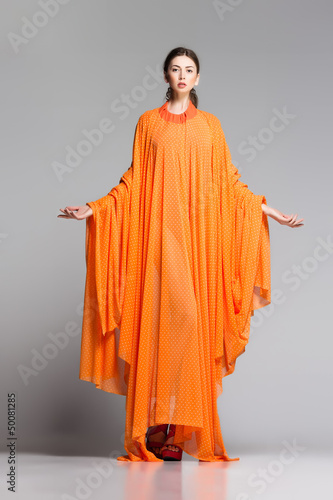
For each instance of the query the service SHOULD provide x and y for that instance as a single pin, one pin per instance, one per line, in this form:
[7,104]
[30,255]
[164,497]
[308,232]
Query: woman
[178,258]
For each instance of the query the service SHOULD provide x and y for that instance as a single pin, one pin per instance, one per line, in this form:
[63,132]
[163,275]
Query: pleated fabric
[178,259]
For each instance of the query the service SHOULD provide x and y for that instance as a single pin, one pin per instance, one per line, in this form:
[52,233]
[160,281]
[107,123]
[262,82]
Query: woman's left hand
[286,220]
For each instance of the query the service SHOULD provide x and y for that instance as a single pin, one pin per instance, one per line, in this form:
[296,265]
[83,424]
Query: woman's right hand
[79,213]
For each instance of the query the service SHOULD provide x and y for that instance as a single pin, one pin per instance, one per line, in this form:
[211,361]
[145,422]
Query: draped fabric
[178,259]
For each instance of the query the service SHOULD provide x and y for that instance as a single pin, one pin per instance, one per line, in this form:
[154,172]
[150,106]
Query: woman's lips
[181,84]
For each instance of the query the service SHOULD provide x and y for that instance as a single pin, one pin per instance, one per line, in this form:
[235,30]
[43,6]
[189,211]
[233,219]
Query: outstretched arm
[286,220]
[79,212]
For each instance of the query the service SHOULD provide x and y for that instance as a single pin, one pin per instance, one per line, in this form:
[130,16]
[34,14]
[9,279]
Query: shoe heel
[171,455]
[154,444]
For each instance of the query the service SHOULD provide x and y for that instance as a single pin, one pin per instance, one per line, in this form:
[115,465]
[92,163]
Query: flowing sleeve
[106,251]
[108,232]
[252,243]
[246,255]
[107,237]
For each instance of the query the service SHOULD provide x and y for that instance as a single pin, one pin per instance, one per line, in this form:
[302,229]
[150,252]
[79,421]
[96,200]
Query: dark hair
[182,51]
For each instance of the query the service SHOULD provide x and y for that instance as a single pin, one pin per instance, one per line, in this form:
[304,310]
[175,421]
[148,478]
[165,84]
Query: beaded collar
[190,112]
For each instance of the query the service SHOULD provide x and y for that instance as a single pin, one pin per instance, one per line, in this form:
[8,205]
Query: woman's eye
[176,69]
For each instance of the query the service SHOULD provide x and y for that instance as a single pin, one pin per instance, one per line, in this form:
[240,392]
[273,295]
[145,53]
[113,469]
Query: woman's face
[182,69]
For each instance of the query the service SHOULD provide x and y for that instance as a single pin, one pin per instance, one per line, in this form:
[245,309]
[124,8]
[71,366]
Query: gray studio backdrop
[70,67]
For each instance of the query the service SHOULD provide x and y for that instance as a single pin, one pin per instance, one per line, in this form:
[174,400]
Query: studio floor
[291,474]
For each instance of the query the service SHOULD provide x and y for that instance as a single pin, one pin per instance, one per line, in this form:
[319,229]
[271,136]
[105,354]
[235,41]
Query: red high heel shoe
[171,454]
[154,444]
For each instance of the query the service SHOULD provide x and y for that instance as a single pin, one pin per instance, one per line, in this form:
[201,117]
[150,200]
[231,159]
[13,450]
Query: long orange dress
[178,258]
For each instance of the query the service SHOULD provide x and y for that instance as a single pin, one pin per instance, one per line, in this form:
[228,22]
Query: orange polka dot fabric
[178,259]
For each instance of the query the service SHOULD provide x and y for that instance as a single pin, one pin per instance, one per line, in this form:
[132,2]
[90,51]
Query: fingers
[68,213]
[296,223]
[63,216]
[291,220]
[288,218]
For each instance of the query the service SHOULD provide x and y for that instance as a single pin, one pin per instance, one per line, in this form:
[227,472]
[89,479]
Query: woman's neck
[178,106]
